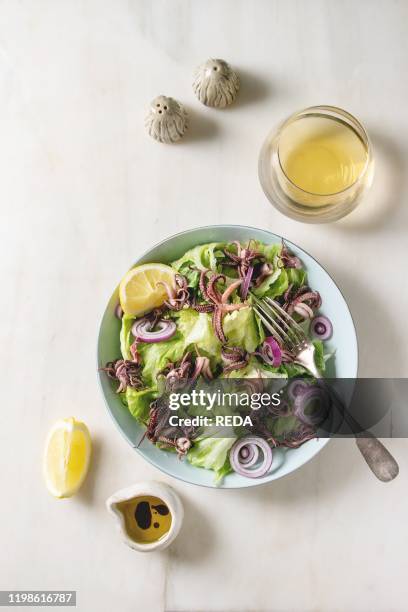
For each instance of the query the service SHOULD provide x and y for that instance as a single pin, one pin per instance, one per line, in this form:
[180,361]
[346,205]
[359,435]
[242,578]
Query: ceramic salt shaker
[167,120]
[215,83]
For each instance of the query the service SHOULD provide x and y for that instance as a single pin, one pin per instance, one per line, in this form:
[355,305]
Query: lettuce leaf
[277,283]
[261,330]
[212,454]
[224,471]
[319,355]
[157,355]
[202,256]
[292,370]
[256,369]
[192,275]
[296,277]
[194,330]
[197,331]
[138,402]
[270,251]
[283,425]
[241,329]
[125,336]
[274,285]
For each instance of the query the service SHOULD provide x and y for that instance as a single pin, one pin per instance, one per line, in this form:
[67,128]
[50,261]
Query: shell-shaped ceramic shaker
[167,120]
[215,83]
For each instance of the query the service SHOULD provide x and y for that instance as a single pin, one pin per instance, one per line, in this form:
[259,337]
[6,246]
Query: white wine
[321,155]
[316,166]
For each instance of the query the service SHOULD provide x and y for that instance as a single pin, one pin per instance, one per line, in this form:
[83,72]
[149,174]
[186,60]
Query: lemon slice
[139,291]
[67,456]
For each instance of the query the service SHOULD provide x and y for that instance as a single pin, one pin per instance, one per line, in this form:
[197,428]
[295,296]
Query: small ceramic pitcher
[143,489]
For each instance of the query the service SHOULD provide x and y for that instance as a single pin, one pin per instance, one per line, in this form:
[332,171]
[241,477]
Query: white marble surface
[83,190]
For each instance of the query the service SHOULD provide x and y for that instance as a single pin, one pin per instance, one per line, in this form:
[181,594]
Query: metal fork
[292,337]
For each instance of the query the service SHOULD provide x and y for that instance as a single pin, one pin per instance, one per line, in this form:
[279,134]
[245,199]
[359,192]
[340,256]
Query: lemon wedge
[139,290]
[67,456]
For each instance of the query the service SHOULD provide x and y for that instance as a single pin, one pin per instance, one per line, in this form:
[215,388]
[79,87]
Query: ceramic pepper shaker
[215,83]
[166,120]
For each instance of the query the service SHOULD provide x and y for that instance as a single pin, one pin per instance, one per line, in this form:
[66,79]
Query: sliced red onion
[118,311]
[243,469]
[321,327]
[247,282]
[313,394]
[296,387]
[271,352]
[164,330]
[283,409]
[248,455]
[245,452]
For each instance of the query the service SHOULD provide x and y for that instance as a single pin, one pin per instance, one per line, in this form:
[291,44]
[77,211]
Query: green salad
[201,326]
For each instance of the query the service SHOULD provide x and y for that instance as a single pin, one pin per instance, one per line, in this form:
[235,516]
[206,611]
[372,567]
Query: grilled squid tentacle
[178,296]
[217,325]
[126,372]
[230,290]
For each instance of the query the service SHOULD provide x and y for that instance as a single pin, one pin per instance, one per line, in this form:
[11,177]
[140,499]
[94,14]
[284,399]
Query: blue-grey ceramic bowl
[343,365]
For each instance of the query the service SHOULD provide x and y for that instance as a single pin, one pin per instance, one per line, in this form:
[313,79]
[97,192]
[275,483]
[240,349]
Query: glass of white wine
[317,165]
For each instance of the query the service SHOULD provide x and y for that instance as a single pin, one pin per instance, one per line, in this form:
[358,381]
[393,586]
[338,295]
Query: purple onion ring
[244,470]
[321,328]
[302,401]
[271,352]
[296,387]
[164,330]
[248,455]
[118,311]
[247,282]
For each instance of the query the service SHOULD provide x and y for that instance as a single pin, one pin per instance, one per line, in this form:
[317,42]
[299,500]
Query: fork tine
[268,326]
[274,314]
[269,312]
[284,313]
[281,313]
[291,331]
[272,325]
